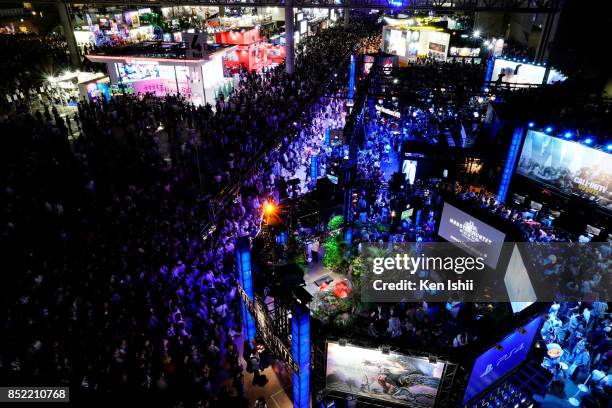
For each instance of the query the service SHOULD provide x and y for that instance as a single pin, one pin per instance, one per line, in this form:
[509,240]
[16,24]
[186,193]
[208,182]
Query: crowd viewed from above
[121,291]
[120,217]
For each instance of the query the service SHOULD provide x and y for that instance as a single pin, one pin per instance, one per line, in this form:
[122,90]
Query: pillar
[513,151]
[351,85]
[347,17]
[289,38]
[73,49]
[300,347]
[245,278]
[547,36]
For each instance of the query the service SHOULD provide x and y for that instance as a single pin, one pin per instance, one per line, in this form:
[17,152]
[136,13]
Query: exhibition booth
[412,42]
[197,78]
[69,86]
[252,52]
[114,28]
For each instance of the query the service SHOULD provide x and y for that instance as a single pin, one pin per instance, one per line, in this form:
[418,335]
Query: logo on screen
[502,359]
[469,230]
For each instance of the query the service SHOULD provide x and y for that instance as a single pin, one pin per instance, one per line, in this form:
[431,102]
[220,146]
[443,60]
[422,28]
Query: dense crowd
[26,60]
[579,345]
[115,288]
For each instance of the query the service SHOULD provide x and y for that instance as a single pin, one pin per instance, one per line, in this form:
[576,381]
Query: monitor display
[569,167]
[535,205]
[593,230]
[518,284]
[518,199]
[407,213]
[471,234]
[499,360]
[392,378]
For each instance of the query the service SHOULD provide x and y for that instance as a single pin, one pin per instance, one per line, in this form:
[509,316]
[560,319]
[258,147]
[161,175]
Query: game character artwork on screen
[392,377]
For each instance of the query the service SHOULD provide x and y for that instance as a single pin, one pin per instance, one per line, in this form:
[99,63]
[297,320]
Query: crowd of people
[578,336]
[115,287]
[26,60]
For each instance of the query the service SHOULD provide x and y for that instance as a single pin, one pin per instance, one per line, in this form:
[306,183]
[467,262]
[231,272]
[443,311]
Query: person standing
[315,250]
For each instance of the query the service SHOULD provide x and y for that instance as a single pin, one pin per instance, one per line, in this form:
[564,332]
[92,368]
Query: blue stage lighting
[588,140]
[531,124]
[548,129]
[609,147]
[568,135]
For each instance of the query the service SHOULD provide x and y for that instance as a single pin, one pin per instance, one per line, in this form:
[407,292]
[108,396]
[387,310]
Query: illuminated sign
[498,361]
[389,112]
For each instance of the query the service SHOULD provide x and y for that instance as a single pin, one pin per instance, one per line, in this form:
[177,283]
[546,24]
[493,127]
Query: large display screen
[396,43]
[567,166]
[515,72]
[499,360]
[518,284]
[471,234]
[393,377]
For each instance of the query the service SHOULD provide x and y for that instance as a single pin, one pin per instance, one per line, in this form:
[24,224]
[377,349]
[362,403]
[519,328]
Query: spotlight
[568,135]
[609,147]
[548,129]
[269,208]
[342,342]
[588,140]
[476,33]
[531,124]
[499,347]
[433,360]
[385,349]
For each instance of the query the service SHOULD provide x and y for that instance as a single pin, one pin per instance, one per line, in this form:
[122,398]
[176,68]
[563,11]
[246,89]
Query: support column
[347,17]
[289,38]
[351,85]
[513,151]
[547,36]
[245,278]
[300,346]
[73,50]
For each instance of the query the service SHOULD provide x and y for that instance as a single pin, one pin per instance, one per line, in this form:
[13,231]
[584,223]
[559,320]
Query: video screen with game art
[570,167]
[393,377]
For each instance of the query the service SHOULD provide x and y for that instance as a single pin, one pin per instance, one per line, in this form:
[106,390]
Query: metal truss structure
[438,6]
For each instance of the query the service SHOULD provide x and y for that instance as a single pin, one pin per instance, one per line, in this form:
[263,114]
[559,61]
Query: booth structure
[412,42]
[155,68]
[252,52]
